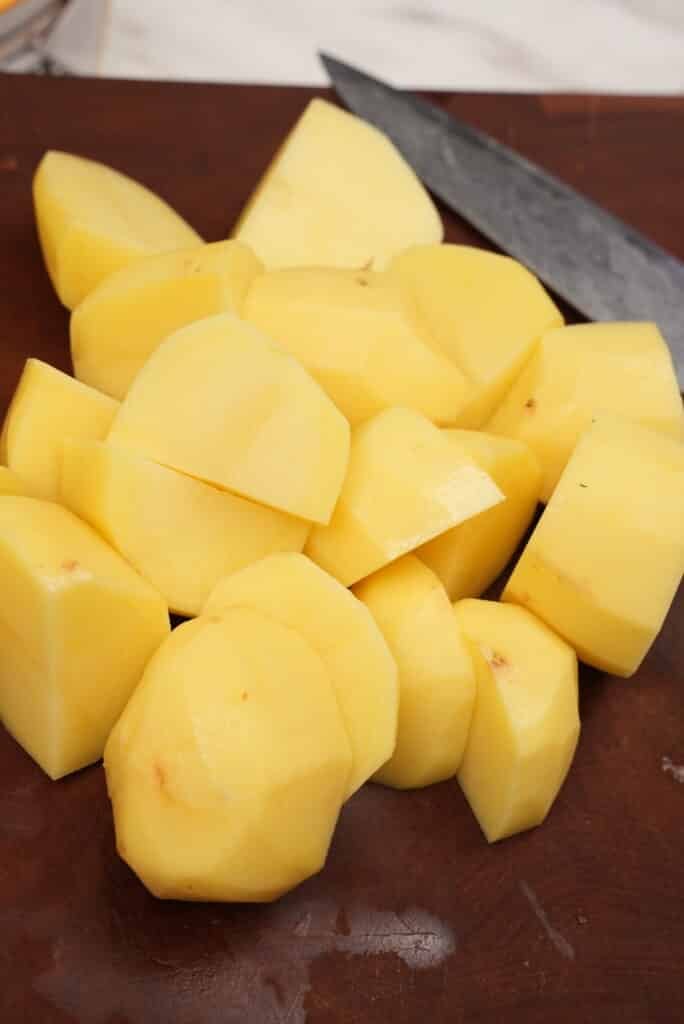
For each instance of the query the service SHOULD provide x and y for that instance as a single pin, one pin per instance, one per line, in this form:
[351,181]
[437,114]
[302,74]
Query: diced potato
[405,485]
[219,401]
[337,193]
[10,483]
[181,534]
[48,406]
[93,220]
[605,560]
[469,557]
[291,589]
[485,311]
[436,676]
[525,725]
[359,338]
[228,767]
[122,321]
[577,372]
[77,626]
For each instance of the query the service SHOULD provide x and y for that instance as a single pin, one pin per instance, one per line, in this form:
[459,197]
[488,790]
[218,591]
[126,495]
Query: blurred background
[634,46]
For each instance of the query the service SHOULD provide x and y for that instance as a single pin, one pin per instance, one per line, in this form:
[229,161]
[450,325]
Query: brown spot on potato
[531,404]
[159,774]
[498,661]
[70,565]
[244,695]
[214,619]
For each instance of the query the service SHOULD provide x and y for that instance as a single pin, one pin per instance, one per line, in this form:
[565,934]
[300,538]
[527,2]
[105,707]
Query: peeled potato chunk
[605,560]
[525,725]
[48,406]
[77,627]
[291,589]
[405,485]
[219,401]
[577,372]
[93,220]
[228,767]
[181,534]
[122,321]
[337,193]
[486,312]
[359,338]
[10,483]
[469,557]
[436,676]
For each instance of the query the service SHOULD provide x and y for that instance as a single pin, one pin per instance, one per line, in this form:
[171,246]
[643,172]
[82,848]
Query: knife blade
[603,267]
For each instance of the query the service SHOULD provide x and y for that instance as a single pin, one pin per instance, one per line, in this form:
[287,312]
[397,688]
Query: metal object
[54,37]
[24,27]
[601,266]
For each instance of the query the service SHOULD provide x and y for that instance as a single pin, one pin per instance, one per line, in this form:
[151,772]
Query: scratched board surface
[414,918]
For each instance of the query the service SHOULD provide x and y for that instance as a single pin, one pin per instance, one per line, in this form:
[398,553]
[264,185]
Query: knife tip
[330,63]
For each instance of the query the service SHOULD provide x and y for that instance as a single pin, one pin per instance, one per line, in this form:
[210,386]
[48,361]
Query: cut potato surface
[525,725]
[122,321]
[93,220]
[282,436]
[359,338]
[469,557]
[436,676]
[228,767]
[219,401]
[77,627]
[181,534]
[10,483]
[607,556]
[580,371]
[48,406]
[294,591]
[485,311]
[337,193]
[405,485]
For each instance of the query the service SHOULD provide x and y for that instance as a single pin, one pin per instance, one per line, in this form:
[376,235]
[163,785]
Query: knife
[603,267]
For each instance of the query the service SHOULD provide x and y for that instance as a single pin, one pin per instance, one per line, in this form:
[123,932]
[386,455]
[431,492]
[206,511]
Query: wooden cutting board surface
[415,918]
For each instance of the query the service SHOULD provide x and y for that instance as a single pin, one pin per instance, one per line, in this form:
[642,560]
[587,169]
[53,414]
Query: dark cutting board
[415,918]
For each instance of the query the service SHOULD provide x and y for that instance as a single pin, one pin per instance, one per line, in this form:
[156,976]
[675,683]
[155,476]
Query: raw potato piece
[359,338]
[469,557]
[525,724]
[219,401]
[436,676]
[605,560]
[122,321]
[337,193]
[485,311]
[77,626]
[48,406]
[93,220]
[228,767]
[294,591]
[10,483]
[405,485]
[580,371]
[180,534]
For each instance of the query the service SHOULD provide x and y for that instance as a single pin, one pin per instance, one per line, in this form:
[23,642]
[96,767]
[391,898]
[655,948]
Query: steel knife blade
[603,267]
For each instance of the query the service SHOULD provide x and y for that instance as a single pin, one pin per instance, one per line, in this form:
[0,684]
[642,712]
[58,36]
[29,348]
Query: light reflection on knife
[600,265]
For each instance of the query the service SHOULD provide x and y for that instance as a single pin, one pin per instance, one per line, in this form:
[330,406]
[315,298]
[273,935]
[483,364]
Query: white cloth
[634,46]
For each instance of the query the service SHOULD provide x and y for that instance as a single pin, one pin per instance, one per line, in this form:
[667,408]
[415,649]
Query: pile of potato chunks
[321,441]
